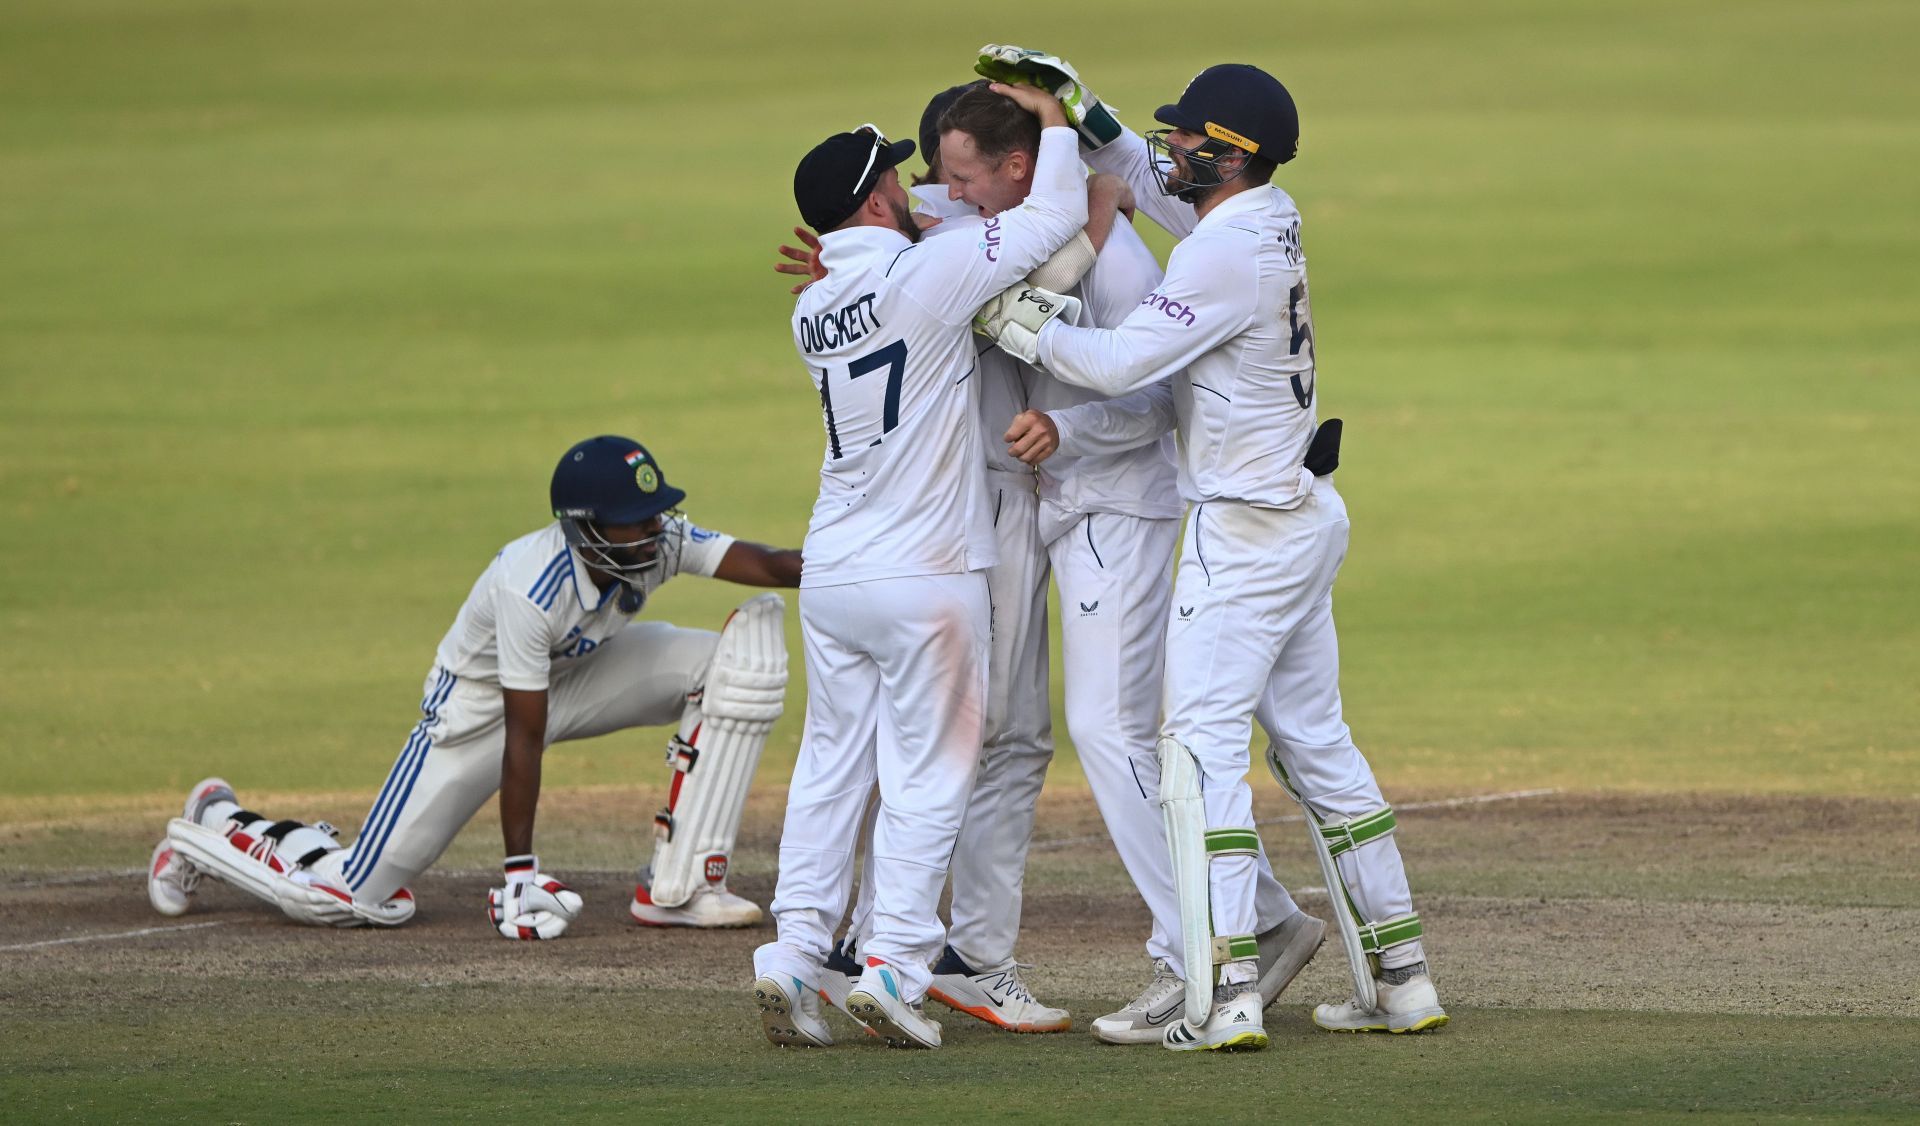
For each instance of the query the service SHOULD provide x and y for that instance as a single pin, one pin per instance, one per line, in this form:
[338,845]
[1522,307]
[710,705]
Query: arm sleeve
[1206,298]
[1121,277]
[1116,425]
[952,277]
[699,549]
[1127,157]
[523,639]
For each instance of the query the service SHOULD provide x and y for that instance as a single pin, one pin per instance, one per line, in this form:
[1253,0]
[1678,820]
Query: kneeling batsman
[544,650]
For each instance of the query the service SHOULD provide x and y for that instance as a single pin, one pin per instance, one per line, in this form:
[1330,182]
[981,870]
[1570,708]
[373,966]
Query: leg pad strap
[1345,836]
[1234,948]
[1233,842]
[1387,933]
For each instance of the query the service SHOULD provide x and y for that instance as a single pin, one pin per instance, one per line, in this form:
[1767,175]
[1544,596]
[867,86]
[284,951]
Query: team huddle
[1002,371]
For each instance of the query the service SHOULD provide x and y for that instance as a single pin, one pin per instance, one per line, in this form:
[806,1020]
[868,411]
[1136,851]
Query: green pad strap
[1375,937]
[1232,842]
[1234,948]
[1352,834]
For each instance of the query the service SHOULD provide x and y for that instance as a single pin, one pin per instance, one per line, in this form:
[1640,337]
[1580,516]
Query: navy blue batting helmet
[1239,105]
[611,480]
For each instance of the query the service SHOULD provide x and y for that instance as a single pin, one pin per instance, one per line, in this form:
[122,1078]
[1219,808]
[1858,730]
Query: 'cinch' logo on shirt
[1173,309]
[990,239]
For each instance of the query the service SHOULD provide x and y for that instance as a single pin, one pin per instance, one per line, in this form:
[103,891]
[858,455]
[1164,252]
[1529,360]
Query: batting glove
[1008,64]
[531,905]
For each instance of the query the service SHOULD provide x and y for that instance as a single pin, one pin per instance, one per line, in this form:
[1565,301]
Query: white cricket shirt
[1111,459]
[1005,383]
[886,341]
[1233,312]
[1114,456]
[535,610]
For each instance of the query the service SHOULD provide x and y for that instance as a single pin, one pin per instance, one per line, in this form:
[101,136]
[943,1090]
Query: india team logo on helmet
[644,474]
[613,482]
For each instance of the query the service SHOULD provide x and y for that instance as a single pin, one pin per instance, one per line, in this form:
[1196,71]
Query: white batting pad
[1336,890]
[716,749]
[1186,817]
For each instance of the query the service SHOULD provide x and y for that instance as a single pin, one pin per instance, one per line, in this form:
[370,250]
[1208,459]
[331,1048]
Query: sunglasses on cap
[873,154]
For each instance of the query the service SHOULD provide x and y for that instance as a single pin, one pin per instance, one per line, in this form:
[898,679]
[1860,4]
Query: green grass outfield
[298,305]
[446,1054]
[300,302]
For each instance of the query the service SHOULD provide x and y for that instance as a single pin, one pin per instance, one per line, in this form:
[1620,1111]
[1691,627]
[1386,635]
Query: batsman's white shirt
[1230,323]
[885,337]
[535,611]
[534,620]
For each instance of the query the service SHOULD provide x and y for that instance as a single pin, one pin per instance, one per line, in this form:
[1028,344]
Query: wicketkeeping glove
[531,905]
[1017,65]
[1014,319]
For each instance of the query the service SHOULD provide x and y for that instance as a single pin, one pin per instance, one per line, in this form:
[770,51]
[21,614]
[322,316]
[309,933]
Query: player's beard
[904,218]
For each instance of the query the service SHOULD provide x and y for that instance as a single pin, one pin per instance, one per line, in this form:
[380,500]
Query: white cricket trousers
[1113,572]
[990,856]
[450,765]
[896,694]
[1252,633]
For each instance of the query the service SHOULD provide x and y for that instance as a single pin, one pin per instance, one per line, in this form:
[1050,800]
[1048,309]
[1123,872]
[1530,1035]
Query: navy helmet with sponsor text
[1231,104]
[1241,105]
[610,481]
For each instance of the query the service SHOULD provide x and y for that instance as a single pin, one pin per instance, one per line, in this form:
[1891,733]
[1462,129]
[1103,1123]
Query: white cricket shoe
[1144,1020]
[876,1002]
[710,907]
[790,1013]
[170,880]
[1235,1025]
[997,997]
[204,794]
[1285,951]
[1408,1006]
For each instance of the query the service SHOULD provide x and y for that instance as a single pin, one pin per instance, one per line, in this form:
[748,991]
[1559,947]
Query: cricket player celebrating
[1108,507]
[1252,629]
[544,650]
[977,972]
[893,607]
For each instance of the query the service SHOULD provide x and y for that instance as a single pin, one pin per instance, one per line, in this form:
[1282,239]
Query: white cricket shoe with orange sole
[998,997]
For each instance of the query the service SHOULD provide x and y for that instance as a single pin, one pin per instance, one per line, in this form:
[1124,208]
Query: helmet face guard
[604,555]
[1204,159]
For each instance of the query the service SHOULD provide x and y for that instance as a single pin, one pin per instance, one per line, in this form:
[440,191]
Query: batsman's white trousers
[1113,571]
[1252,633]
[896,694]
[450,765]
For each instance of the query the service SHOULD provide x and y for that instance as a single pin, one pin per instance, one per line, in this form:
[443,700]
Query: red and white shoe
[710,907]
[208,791]
[170,880]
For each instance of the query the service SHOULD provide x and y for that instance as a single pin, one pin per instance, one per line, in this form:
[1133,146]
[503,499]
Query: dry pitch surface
[1600,954]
